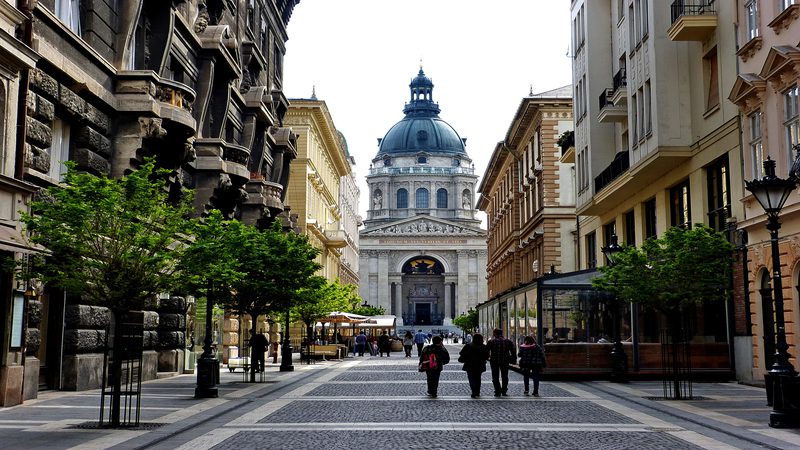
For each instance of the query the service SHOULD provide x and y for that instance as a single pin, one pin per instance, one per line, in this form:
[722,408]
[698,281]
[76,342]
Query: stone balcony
[222,156]
[336,238]
[144,92]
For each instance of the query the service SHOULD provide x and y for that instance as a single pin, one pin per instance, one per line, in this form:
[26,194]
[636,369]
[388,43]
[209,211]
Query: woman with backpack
[474,356]
[432,361]
[531,361]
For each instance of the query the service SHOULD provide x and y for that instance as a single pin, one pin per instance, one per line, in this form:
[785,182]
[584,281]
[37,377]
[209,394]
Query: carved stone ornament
[151,128]
[421,227]
[203,19]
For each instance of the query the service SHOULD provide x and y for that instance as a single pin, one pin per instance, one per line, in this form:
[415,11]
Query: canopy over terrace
[574,321]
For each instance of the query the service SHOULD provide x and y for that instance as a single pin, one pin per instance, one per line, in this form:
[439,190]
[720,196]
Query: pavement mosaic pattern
[599,440]
[380,403]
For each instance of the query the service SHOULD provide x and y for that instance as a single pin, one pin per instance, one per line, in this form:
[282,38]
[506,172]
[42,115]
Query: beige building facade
[766,94]
[349,195]
[657,144]
[315,180]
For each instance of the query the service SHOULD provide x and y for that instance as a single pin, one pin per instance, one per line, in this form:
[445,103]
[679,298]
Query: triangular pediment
[747,91]
[423,226]
[777,59]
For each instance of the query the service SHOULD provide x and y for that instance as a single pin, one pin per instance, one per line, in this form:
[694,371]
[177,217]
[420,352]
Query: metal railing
[617,167]
[692,8]
[417,170]
[620,79]
[605,98]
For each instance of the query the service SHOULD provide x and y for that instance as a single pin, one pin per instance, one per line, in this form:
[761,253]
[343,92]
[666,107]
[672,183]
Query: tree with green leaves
[669,274]
[368,310]
[111,242]
[272,266]
[321,298]
[468,321]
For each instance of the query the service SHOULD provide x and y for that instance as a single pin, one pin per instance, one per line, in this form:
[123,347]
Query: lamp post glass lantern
[771,193]
[619,360]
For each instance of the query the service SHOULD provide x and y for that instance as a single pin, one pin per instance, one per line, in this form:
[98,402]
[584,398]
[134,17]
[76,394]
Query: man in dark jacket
[501,353]
[258,345]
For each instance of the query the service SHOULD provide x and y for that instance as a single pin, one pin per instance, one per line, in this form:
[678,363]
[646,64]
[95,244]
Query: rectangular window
[591,250]
[620,9]
[791,114]
[650,219]
[631,30]
[648,108]
[787,3]
[630,228]
[751,19]
[679,206]
[756,146]
[609,231]
[59,150]
[645,18]
[719,200]
[640,119]
[638,23]
[711,73]
[69,12]
[634,119]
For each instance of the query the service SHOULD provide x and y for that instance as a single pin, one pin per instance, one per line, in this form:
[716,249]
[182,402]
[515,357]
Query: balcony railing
[617,167]
[415,170]
[605,98]
[620,79]
[692,8]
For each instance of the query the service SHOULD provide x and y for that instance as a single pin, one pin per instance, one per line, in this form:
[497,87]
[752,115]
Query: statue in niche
[466,201]
[423,227]
[377,200]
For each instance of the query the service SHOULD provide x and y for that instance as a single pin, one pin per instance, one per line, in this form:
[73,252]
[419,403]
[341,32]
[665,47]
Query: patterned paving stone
[441,410]
[600,440]
[415,389]
[411,375]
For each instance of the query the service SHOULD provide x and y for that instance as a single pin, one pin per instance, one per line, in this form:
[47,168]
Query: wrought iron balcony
[620,79]
[617,167]
[608,111]
[692,20]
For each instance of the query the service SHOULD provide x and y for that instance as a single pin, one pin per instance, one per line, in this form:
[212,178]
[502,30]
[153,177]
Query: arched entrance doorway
[424,297]
[767,319]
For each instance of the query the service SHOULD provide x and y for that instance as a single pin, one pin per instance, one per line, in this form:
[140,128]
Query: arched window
[441,198]
[402,199]
[422,198]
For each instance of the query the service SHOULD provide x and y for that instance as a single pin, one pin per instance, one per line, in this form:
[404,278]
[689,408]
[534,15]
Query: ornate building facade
[528,195]
[349,195]
[315,179]
[423,253]
[195,84]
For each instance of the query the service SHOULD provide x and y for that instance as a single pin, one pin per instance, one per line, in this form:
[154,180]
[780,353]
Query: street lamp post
[619,360]
[207,365]
[771,193]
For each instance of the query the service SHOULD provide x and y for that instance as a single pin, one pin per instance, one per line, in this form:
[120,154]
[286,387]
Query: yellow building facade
[315,181]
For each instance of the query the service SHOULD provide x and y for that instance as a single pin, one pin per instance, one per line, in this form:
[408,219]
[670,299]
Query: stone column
[398,302]
[462,297]
[448,307]
[383,280]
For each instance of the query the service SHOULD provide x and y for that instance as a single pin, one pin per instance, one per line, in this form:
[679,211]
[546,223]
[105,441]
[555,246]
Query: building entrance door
[422,313]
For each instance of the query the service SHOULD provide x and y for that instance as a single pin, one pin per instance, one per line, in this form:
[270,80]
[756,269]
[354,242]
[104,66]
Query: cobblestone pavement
[380,403]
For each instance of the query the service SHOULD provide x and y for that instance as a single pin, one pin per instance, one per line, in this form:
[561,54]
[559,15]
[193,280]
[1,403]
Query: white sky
[481,55]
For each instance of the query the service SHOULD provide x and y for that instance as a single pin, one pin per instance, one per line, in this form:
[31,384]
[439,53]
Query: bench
[322,351]
[242,362]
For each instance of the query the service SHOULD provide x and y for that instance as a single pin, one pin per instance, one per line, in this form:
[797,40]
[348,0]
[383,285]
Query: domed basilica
[423,253]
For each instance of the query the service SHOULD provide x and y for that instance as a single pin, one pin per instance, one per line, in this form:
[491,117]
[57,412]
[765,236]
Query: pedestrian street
[374,402]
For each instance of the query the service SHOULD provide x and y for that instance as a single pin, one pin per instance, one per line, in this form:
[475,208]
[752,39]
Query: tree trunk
[254,319]
[674,318]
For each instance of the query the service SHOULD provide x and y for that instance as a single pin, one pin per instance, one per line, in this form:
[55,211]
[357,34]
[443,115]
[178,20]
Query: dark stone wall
[86,329]
[99,19]
[172,323]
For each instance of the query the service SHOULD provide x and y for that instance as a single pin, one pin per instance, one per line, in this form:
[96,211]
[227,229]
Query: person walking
[420,339]
[474,356]
[408,343]
[384,345]
[361,341]
[258,345]
[501,354]
[531,361]
[432,361]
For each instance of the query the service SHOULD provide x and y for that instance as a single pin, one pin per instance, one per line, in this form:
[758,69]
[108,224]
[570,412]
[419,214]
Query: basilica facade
[423,251]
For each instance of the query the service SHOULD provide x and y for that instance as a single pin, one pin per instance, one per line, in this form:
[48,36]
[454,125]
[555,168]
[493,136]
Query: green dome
[421,129]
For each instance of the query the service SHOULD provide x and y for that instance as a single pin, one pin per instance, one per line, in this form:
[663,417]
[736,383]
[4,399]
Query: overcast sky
[482,57]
